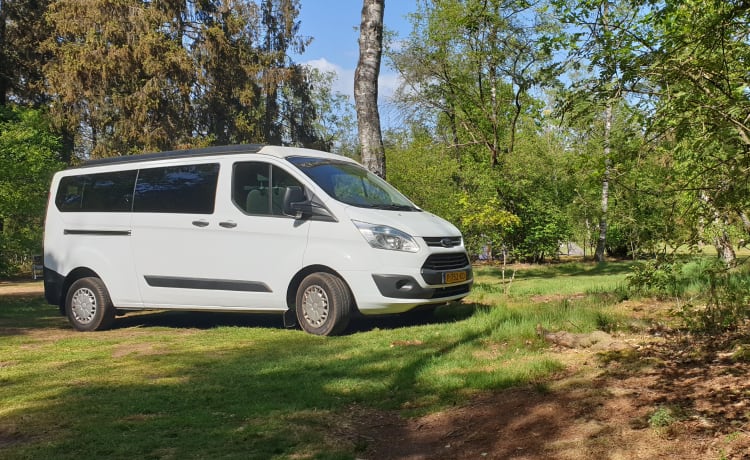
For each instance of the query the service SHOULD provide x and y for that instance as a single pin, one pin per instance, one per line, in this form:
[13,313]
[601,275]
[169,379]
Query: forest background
[623,126]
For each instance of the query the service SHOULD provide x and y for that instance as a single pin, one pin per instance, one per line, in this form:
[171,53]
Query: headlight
[385,237]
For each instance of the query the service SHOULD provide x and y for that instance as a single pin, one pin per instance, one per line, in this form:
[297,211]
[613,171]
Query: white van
[252,228]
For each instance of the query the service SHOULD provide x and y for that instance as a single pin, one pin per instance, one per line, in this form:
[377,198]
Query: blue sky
[333,25]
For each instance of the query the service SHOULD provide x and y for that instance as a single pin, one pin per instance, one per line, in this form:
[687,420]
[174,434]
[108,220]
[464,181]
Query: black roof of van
[220,150]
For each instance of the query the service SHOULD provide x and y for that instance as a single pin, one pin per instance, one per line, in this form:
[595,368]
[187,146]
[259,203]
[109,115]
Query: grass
[559,279]
[169,385]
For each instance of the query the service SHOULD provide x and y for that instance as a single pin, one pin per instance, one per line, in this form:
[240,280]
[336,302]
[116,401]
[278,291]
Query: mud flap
[290,319]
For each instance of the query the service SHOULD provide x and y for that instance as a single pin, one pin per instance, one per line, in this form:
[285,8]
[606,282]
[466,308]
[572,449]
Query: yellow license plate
[455,277]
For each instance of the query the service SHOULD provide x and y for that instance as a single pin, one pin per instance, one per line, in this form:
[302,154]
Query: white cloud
[344,82]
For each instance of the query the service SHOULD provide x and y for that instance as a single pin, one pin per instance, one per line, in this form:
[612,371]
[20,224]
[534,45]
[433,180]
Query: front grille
[441,262]
[442,241]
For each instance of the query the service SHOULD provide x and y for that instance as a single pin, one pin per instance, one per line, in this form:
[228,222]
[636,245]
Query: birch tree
[366,86]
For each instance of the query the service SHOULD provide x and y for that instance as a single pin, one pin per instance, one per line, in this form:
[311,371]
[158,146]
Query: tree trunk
[724,248]
[366,86]
[601,244]
[721,241]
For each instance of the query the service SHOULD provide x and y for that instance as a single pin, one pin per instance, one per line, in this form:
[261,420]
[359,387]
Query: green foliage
[424,170]
[485,224]
[127,77]
[659,278]
[29,155]
[471,65]
[22,28]
[542,228]
[681,66]
[725,297]
[334,124]
[712,297]
[663,417]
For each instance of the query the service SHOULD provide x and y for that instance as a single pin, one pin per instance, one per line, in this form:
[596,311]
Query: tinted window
[104,192]
[258,188]
[189,189]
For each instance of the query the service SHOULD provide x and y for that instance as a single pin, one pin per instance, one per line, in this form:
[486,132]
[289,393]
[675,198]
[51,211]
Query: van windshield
[353,184]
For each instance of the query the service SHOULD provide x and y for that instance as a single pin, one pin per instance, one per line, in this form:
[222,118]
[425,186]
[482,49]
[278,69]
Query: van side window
[258,188]
[188,189]
[103,192]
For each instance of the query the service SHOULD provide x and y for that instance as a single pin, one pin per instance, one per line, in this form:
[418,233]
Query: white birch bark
[366,86]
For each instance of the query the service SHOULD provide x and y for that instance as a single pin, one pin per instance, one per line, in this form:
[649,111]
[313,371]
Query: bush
[718,296]
[725,295]
[29,155]
[661,279]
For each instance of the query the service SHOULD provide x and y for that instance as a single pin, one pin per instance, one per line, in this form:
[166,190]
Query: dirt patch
[10,436]
[21,288]
[675,397]
[556,297]
[139,349]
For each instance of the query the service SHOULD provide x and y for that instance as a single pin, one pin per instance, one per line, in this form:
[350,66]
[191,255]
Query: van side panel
[97,241]
[229,259]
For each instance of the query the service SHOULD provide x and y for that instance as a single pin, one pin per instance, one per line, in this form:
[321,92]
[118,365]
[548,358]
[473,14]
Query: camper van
[309,235]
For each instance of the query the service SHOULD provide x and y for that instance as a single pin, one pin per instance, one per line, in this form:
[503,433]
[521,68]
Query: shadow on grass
[17,313]
[224,392]
[359,323]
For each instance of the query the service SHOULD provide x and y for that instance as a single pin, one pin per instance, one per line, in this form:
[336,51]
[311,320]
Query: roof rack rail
[219,150]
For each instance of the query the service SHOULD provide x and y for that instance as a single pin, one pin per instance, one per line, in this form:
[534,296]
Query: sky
[333,26]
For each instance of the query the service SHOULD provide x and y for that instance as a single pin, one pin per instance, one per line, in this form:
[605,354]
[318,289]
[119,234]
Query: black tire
[323,304]
[88,306]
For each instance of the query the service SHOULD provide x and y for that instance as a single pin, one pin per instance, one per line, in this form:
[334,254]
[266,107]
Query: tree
[683,63]
[281,35]
[697,67]
[602,39]
[22,29]
[315,116]
[472,64]
[118,76]
[228,96]
[470,69]
[29,155]
[366,86]
[132,76]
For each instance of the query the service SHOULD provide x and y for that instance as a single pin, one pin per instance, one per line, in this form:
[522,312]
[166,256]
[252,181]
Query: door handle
[200,223]
[228,224]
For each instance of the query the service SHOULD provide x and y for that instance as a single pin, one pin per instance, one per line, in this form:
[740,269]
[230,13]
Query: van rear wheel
[324,304]
[88,305]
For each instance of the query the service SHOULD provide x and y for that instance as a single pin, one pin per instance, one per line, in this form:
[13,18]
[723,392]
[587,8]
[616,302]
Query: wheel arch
[73,276]
[291,291]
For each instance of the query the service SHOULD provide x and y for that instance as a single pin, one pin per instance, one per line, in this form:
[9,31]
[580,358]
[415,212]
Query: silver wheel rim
[83,305]
[315,307]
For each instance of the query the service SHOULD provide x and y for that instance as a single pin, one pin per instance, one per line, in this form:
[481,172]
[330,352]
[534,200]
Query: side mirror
[298,206]
[295,202]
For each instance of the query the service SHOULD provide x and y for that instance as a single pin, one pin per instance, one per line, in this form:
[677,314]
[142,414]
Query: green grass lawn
[181,385]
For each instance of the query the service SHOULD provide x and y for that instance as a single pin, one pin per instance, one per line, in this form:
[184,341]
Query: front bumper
[406,287]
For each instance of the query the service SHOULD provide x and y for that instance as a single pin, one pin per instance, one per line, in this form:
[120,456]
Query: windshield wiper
[392,207]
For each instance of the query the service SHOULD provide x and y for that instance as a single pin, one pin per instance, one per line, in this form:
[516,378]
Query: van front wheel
[323,304]
[88,306]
